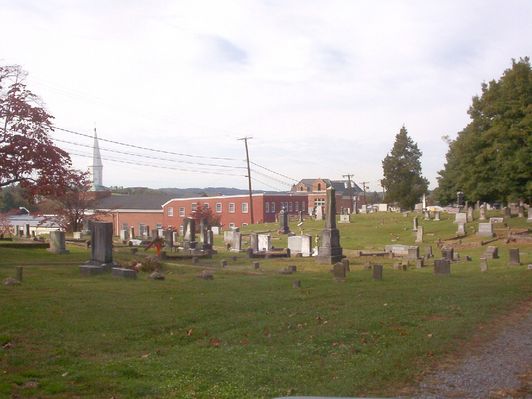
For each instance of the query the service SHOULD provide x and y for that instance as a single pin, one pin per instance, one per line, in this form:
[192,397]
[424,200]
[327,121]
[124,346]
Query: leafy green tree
[491,158]
[402,172]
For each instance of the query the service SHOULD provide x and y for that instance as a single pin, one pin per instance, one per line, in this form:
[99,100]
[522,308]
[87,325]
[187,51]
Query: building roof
[340,186]
[33,221]
[143,201]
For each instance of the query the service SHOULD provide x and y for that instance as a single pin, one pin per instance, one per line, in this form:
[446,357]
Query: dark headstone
[292,268]
[91,270]
[101,242]
[223,263]
[447,253]
[330,251]
[492,252]
[283,222]
[339,271]
[420,263]
[514,256]
[442,267]
[345,262]
[57,243]
[296,284]
[195,260]
[377,272]
[256,265]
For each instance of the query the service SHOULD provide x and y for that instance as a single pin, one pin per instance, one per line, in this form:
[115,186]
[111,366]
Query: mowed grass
[245,334]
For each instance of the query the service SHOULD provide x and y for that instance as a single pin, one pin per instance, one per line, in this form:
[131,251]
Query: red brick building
[234,210]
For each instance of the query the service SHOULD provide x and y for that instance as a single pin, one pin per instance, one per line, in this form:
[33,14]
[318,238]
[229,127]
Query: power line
[144,148]
[266,184]
[272,171]
[271,178]
[136,163]
[150,157]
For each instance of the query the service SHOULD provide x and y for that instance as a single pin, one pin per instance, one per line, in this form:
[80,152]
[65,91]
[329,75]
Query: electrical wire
[272,171]
[143,148]
[150,157]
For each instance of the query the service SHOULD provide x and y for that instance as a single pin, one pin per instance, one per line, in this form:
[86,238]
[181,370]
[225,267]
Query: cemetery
[315,307]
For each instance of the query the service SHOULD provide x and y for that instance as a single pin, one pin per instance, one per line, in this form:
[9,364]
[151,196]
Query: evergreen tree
[402,172]
[491,158]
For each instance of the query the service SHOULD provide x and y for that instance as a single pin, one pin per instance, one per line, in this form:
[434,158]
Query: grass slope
[245,334]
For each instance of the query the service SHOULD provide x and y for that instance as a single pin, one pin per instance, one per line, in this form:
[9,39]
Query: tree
[402,172]
[202,212]
[27,154]
[491,158]
[69,207]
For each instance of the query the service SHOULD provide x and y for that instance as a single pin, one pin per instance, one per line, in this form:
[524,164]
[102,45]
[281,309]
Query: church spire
[97,167]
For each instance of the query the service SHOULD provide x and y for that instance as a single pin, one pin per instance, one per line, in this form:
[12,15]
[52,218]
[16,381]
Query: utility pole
[364,188]
[350,191]
[245,139]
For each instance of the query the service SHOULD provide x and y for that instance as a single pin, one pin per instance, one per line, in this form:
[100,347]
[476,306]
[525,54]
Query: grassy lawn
[246,334]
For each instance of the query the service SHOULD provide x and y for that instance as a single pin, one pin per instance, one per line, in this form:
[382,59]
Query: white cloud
[323,87]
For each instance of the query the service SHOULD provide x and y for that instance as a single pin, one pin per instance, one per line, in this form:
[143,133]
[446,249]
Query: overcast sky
[323,87]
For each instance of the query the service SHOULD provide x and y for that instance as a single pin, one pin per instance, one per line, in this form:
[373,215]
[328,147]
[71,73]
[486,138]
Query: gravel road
[498,368]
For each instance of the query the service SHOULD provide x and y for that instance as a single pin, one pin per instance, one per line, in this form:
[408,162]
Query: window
[218,207]
[297,206]
[205,206]
[170,211]
[124,226]
[244,207]
[319,201]
[272,208]
[302,206]
[266,207]
[194,206]
[290,207]
[181,211]
[159,226]
[143,230]
[181,229]
[244,224]
[231,207]
[231,225]
[319,187]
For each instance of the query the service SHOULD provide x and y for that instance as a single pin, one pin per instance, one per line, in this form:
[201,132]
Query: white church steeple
[97,167]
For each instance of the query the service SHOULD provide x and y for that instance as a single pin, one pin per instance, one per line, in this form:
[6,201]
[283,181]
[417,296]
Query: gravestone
[319,212]
[255,265]
[124,273]
[124,235]
[236,244]
[482,213]
[437,216]
[101,243]
[413,252]
[292,268]
[414,223]
[485,230]
[57,243]
[147,231]
[426,215]
[442,267]
[228,236]
[295,244]
[420,263]
[514,256]
[447,253]
[377,272]
[419,234]
[265,242]
[168,240]
[461,230]
[283,222]
[345,262]
[27,233]
[206,242]
[300,216]
[339,271]
[296,284]
[306,245]
[254,242]
[460,218]
[76,235]
[154,233]
[132,232]
[330,251]
[90,270]
[507,212]
[496,220]
[429,253]
[483,265]
[223,263]
[216,230]
[397,249]
[492,252]
[344,218]
[521,211]
[470,216]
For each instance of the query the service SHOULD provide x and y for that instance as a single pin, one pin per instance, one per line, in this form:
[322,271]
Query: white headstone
[265,242]
[460,218]
[485,230]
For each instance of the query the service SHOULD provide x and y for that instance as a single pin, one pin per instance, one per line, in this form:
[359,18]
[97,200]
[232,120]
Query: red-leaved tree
[27,154]
[69,206]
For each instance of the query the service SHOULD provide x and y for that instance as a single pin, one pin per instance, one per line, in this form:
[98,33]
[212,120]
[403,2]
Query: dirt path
[495,364]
